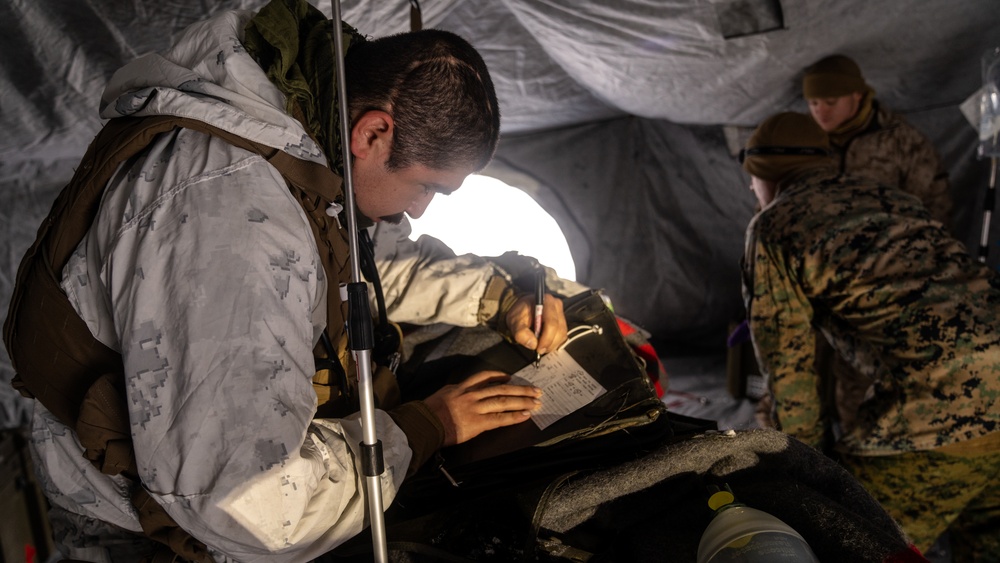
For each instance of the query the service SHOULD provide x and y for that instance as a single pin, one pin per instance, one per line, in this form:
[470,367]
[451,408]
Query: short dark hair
[438,91]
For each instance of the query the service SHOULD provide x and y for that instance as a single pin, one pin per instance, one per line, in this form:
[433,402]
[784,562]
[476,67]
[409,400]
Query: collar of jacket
[861,122]
[293,43]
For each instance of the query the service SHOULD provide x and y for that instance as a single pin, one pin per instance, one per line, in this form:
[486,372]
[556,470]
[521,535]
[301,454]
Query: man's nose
[419,205]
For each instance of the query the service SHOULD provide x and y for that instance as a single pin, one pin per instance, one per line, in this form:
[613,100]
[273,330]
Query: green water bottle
[740,534]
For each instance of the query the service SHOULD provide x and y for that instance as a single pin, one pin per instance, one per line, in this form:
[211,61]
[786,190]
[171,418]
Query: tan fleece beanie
[783,144]
[832,77]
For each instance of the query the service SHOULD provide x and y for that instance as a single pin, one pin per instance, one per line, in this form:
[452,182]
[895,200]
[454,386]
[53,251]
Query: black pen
[539,308]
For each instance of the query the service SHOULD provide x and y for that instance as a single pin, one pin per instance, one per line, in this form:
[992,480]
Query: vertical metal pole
[359,319]
[988,205]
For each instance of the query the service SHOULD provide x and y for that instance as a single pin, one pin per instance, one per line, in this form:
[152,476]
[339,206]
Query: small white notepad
[565,386]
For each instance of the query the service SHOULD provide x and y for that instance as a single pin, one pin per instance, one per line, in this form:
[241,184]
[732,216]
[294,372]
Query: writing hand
[521,323]
[482,402]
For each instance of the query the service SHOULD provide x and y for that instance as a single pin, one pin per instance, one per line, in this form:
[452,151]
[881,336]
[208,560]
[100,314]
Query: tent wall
[654,214]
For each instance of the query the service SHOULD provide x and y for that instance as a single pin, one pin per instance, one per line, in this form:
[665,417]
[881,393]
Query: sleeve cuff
[423,430]
[490,305]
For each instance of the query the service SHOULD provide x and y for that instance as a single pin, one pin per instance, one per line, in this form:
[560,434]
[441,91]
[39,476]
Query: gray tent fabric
[614,116]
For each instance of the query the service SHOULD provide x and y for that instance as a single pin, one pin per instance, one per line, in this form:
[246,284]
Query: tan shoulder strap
[311,177]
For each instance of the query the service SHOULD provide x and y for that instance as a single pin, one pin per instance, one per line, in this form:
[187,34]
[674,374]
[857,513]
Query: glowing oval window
[488,217]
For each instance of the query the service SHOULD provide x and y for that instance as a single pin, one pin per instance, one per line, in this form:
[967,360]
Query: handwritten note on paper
[565,386]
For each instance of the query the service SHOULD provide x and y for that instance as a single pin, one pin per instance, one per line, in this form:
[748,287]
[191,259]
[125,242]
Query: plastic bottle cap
[720,499]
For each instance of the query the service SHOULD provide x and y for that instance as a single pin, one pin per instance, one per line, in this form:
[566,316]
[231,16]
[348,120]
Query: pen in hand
[539,308]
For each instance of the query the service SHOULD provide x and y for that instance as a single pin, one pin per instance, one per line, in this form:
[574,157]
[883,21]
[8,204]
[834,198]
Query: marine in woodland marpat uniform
[870,141]
[868,265]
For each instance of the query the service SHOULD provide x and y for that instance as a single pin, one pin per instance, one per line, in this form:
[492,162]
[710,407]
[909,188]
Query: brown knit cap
[775,150]
[832,77]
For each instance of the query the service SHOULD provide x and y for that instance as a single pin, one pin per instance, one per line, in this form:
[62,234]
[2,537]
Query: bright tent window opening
[488,217]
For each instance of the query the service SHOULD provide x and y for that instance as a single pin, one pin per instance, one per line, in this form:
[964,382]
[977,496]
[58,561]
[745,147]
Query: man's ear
[372,134]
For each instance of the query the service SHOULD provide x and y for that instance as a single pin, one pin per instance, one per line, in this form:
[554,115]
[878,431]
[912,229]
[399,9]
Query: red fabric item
[654,367]
[911,555]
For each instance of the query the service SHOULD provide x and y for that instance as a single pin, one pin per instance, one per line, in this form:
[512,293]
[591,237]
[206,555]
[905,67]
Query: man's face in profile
[384,195]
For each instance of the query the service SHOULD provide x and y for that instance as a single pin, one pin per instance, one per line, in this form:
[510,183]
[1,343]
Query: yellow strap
[988,444]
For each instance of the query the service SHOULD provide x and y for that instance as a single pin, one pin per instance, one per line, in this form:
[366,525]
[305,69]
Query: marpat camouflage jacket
[867,265]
